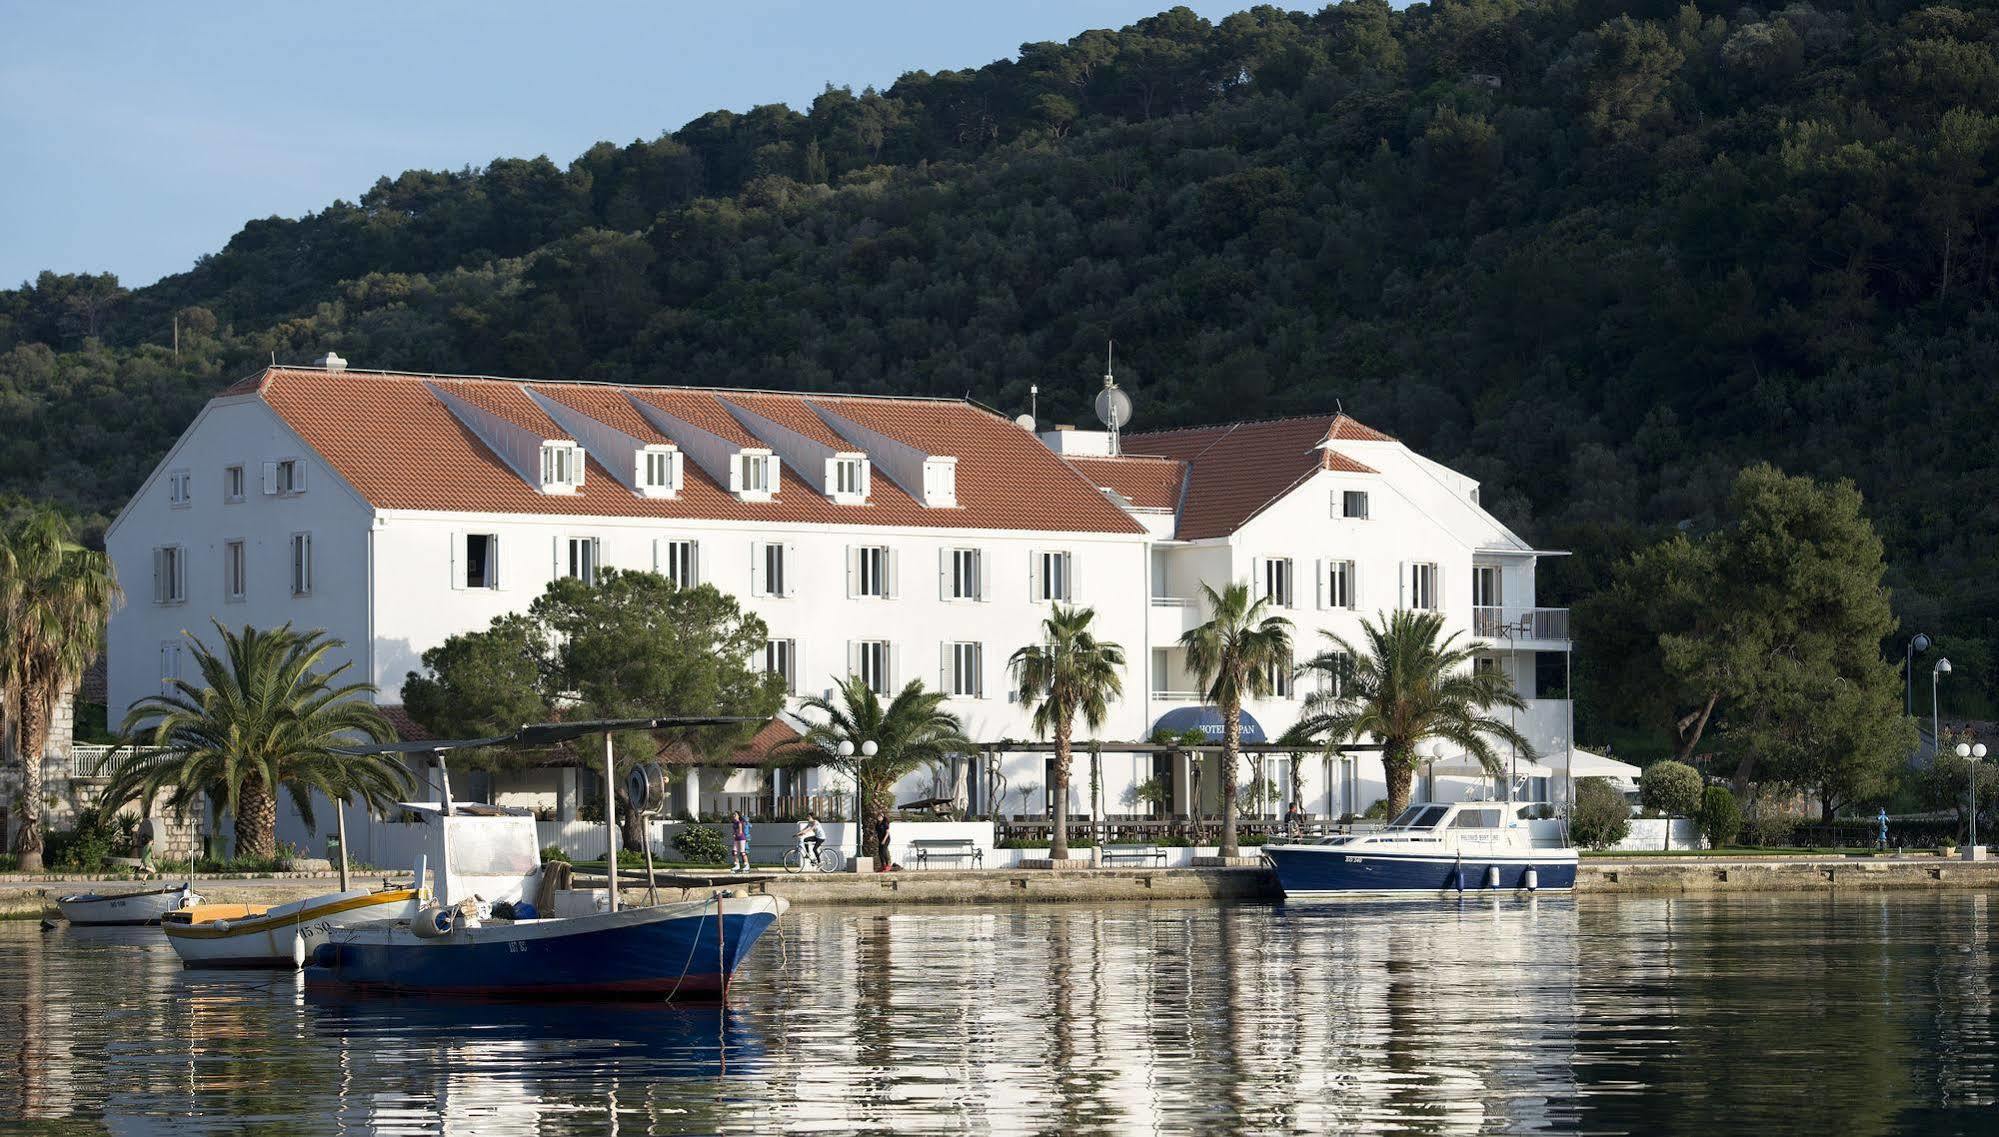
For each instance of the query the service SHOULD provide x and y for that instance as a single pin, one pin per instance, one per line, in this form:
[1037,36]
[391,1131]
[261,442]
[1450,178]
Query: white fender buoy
[298,951]
[1492,876]
[1533,879]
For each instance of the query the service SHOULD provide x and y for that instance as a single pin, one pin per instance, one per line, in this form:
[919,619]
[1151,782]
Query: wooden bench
[948,849]
[1151,853]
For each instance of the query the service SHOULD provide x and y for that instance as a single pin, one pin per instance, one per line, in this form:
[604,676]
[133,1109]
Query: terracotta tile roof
[758,751]
[696,408]
[400,447]
[407,728]
[506,401]
[1236,471]
[607,405]
[1145,482]
[792,413]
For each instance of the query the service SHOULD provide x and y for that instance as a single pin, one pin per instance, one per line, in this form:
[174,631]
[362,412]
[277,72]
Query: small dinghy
[1430,849]
[284,936]
[126,908]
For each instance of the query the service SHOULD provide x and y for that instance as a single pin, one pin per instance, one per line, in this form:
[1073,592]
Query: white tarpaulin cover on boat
[1584,764]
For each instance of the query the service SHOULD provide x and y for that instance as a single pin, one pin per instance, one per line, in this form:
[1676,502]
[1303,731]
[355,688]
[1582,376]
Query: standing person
[1294,819]
[739,842]
[148,833]
[881,843]
[1882,818]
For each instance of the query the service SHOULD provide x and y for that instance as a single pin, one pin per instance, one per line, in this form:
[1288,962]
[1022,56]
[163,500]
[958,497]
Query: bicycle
[828,859]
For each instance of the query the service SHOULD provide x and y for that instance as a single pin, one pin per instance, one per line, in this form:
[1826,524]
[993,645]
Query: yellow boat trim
[206,931]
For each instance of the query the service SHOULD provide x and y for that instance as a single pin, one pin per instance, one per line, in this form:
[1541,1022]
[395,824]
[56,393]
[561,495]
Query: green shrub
[1721,818]
[95,838]
[1023,843]
[1769,829]
[1171,842]
[701,845]
[1378,811]
[1600,818]
[554,853]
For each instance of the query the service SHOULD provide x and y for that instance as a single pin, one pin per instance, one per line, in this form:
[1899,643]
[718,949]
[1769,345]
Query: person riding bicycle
[810,837]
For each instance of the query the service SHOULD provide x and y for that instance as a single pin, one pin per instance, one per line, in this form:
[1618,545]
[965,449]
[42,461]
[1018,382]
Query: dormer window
[659,471]
[847,478]
[753,475]
[940,482]
[561,467]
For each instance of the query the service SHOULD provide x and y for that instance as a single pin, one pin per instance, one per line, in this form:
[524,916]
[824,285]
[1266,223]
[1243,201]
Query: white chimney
[333,362]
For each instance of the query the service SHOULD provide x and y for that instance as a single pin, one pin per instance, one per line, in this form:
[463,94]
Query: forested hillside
[1599,255]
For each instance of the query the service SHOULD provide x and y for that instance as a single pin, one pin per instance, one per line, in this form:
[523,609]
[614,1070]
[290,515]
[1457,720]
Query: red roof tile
[400,447]
[607,405]
[1234,472]
[792,413]
[758,751]
[1145,482]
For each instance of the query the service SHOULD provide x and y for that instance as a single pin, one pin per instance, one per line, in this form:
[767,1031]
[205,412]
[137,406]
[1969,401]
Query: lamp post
[868,750]
[1436,756]
[1937,672]
[1918,644]
[1973,755]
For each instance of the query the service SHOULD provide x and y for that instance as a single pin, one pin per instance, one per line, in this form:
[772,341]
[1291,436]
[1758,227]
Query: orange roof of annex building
[1236,471]
[400,446]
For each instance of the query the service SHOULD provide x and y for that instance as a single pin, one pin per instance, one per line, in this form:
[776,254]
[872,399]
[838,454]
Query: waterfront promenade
[24,897]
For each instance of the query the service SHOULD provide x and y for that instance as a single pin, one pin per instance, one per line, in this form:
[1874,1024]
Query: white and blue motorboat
[1430,849]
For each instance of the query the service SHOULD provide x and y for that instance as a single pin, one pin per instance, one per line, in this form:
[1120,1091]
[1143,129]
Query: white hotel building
[892,538]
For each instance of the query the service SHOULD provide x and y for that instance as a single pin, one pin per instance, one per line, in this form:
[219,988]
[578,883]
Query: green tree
[1721,816]
[1600,818]
[264,717]
[1070,672]
[1233,656]
[1670,789]
[630,645]
[55,596]
[911,732]
[1771,625]
[1410,684]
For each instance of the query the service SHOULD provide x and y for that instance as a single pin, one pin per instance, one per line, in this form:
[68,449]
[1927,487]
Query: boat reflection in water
[453,1066]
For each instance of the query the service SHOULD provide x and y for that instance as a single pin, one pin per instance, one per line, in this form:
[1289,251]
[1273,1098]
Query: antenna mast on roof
[1113,405]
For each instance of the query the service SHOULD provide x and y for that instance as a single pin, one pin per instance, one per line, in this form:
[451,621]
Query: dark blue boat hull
[1316,871]
[589,957]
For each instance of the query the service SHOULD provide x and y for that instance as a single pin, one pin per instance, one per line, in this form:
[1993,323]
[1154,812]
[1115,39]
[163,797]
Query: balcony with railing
[1522,627]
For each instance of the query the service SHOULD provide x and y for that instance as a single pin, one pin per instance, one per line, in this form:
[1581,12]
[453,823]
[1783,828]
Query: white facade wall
[242,432]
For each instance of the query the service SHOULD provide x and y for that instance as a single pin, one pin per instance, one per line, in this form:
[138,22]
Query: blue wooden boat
[1429,849]
[495,926]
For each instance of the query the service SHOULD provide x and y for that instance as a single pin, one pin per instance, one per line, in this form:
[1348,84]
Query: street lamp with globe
[1973,753]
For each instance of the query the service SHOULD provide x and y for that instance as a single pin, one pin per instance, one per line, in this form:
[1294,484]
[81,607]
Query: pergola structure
[989,756]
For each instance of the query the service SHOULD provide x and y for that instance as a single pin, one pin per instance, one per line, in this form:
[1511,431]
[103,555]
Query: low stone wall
[1707,875]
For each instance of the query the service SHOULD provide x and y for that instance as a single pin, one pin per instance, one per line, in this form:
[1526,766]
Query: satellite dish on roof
[1113,405]
[1025,422]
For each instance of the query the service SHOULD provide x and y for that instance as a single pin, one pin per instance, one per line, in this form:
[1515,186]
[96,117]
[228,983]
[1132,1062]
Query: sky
[136,137]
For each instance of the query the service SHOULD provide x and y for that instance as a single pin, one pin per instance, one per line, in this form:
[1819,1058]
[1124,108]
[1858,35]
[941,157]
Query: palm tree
[1232,655]
[1070,672]
[263,717]
[55,596]
[1411,684]
[911,733]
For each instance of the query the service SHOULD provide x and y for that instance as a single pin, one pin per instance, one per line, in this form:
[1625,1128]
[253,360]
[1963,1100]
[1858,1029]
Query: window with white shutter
[232,484]
[1422,586]
[562,465]
[781,659]
[1053,576]
[964,574]
[1340,585]
[1274,581]
[301,564]
[679,561]
[964,670]
[769,569]
[169,575]
[180,488]
[871,663]
[659,471]
[234,571]
[581,560]
[871,571]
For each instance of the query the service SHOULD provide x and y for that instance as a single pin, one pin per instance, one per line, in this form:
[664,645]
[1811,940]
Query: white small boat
[1430,849]
[282,936]
[148,907]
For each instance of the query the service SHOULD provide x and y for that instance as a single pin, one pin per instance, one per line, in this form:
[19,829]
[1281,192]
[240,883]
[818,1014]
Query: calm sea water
[1779,1015]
